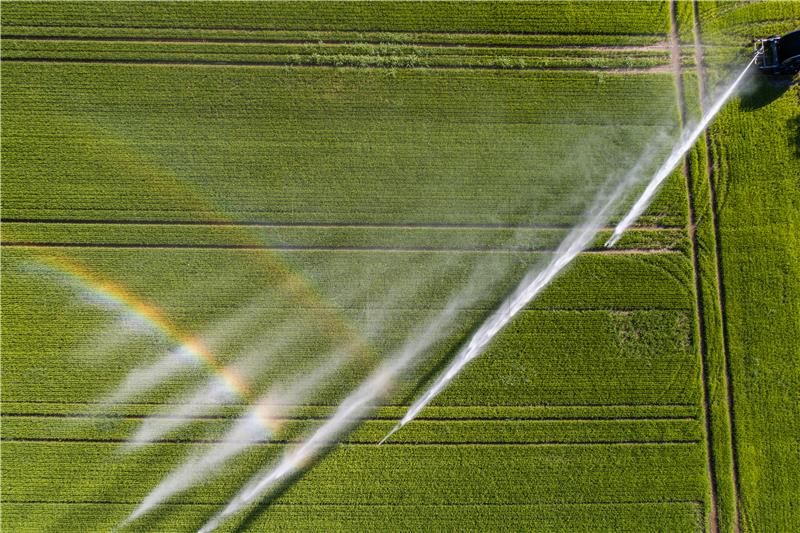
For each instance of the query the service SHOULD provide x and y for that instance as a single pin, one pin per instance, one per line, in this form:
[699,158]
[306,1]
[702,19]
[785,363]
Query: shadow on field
[763,90]
[793,124]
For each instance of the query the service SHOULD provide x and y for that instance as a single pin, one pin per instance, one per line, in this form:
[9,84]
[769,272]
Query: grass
[565,16]
[366,474]
[454,125]
[758,231]
[361,147]
[677,516]
[614,282]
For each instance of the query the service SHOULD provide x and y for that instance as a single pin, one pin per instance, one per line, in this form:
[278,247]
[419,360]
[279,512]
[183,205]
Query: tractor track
[713,518]
[370,443]
[721,298]
[162,416]
[370,504]
[396,405]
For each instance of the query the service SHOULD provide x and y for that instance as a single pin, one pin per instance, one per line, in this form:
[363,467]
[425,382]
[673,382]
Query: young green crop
[343,164]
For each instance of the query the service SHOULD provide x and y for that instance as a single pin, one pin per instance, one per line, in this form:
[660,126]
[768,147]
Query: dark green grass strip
[298,236]
[291,430]
[300,504]
[389,413]
[362,473]
[660,515]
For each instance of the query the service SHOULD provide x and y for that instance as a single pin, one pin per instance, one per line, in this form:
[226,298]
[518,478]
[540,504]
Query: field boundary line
[721,298]
[658,69]
[159,416]
[526,310]
[395,405]
[713,519]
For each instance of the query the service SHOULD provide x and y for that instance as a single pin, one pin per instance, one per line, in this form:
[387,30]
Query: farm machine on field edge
[779,55]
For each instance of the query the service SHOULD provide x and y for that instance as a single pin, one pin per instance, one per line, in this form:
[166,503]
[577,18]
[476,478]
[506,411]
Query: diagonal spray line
[359,403]
[212,394]
[205,399]
[531,285]
[145,378]
[262,419]
[356,406]
[349,413]
[573,244]
[687,141]
[364,399]
[122,298]
[258,424]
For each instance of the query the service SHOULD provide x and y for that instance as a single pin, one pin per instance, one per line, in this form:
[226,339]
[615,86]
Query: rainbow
[300,288]
[150,314]
[295,284]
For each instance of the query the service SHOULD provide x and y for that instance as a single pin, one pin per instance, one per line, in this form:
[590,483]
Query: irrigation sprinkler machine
[778,55]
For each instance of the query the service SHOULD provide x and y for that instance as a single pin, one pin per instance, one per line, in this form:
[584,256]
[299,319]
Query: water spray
[264,418]
[348,414]
[532,284]
[575,242]
[675,157]
[365,398]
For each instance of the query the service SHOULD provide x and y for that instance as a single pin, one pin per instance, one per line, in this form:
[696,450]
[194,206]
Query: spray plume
[531,285]
[260,423]
[196,351]
[580,237]
[686,143]
[350,412]
[214,393]
[263,419]
[367,395]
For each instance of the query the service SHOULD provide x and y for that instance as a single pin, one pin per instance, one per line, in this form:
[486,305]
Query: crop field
[268,175]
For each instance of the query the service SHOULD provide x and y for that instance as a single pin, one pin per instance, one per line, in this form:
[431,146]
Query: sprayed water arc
[573,244]
[367,396]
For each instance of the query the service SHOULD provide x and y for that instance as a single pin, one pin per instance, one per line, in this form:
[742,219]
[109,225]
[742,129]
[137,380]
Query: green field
[299,163]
